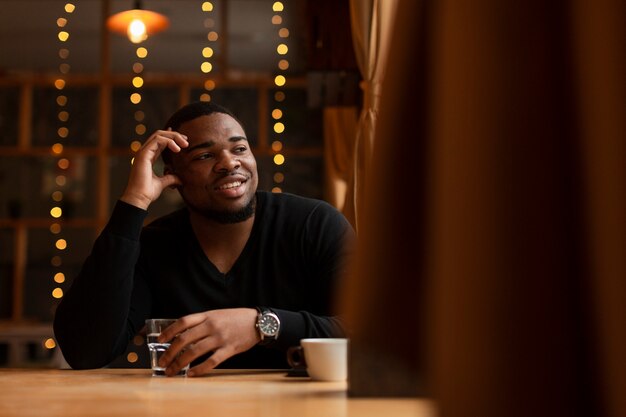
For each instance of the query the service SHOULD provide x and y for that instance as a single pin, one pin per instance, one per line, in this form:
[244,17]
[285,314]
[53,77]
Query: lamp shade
[153,22]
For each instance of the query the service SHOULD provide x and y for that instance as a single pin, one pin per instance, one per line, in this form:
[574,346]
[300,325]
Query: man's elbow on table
[81,349]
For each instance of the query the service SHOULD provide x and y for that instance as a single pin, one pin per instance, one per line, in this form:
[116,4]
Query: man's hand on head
[144,186]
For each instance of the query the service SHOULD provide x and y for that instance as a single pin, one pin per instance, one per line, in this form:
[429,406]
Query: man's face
[218,170]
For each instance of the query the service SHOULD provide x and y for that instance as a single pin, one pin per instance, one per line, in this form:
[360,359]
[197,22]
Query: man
[247,273]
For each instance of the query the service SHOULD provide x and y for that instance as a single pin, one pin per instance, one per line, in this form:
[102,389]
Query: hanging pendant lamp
[137,23]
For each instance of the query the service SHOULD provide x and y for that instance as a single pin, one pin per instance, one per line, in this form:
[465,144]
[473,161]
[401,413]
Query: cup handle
[295,357]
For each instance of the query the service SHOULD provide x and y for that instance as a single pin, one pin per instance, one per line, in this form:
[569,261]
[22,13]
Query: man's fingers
[170,180]
[180,358]
[162,139]
[180,325]
[218,356]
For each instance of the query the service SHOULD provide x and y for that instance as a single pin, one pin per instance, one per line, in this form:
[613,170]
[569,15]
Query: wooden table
[224,393]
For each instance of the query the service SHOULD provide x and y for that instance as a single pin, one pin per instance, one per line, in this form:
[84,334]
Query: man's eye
[203,156]
[241,149]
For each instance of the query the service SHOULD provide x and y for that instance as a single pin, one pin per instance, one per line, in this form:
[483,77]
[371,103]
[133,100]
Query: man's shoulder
[292,201]
[171,221]
[293,208]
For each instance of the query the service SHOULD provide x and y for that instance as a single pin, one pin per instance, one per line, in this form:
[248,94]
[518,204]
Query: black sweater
[291,263]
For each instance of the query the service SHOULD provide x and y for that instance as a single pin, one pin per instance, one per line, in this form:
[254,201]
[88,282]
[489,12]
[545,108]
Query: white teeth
[230,185]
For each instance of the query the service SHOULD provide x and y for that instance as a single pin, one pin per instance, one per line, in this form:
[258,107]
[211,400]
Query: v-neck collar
[197,248]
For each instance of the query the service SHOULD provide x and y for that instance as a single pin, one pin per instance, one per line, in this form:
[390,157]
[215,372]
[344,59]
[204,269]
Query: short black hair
[192,111]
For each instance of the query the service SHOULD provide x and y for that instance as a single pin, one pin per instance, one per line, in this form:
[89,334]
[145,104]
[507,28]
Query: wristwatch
[268,325]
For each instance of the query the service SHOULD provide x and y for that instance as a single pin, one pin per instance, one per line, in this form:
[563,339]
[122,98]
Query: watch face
[268,325]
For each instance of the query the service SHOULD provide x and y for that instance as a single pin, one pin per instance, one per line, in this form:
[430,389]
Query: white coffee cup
[325,359]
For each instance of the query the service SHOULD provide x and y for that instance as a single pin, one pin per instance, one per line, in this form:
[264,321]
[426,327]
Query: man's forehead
[209,143]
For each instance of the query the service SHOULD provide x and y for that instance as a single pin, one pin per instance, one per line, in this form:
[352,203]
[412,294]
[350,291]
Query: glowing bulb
[56,212]
[135,98]
[57,148]
[59,277]
[279,159]
[280,80]
[282,49]
[279,127]
[137,31]
[61,244]
[206,67]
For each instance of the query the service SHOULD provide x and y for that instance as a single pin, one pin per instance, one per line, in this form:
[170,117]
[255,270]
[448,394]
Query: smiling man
[247,273]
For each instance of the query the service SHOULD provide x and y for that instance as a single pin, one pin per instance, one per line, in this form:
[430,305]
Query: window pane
[243,102]
[157,105]
[6,272]
[28,184]
[302,175]
[39,303]
[303,125]
[9,115]
[81,111]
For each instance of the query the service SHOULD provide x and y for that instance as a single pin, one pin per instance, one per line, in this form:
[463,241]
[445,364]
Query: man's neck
[221,243]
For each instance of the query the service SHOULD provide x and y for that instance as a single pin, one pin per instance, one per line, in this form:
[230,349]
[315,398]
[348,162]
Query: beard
[228,217]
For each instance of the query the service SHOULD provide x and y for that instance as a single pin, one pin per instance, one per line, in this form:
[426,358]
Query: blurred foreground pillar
[491,273]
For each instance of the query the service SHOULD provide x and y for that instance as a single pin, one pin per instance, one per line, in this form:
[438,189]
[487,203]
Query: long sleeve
[300,325]
[325,242]
[92,324]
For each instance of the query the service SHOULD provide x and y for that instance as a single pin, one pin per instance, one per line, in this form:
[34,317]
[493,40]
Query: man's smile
[229,185]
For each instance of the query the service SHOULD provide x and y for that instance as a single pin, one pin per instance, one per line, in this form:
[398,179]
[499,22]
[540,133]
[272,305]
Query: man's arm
[91,323]
[329,239]
[94,321]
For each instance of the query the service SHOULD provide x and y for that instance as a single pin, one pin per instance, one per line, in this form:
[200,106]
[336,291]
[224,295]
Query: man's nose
[227,162]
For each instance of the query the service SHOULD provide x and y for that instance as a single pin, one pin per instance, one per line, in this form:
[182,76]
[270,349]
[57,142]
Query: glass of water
[153,330]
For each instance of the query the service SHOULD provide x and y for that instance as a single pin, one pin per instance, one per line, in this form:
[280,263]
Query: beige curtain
[371,23]
[339,134]
[490,273]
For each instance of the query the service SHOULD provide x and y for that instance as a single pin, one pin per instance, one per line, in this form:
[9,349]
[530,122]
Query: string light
[140,129]
[136,99]
[280,81]
[208,51]
[62,163]
[138,342]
